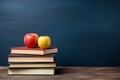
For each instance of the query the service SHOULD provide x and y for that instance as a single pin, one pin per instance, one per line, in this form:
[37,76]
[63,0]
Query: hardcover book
[37,51]
[29,58]
[32,65]
[34,72]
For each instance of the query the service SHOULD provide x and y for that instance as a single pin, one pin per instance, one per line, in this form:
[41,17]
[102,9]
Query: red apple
[30,40]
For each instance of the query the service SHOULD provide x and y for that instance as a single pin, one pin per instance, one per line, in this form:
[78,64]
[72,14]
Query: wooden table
[71,73]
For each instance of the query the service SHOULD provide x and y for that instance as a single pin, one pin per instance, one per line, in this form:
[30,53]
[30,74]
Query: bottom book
[28,72]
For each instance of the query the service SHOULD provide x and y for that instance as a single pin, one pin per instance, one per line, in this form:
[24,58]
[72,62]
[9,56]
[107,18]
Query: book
[36,71]
[32,65]
[30,55]
[37,51]
[29,58]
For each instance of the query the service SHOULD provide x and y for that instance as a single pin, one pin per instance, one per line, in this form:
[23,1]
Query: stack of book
[32,61]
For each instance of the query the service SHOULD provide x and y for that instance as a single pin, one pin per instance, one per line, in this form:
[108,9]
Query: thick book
[32,65]
[37,51]
[34,72]
[29,58]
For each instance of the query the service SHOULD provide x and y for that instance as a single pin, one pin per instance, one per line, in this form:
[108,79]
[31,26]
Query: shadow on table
[59,71]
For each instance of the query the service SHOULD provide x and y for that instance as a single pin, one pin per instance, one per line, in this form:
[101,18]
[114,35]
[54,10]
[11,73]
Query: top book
[36,51]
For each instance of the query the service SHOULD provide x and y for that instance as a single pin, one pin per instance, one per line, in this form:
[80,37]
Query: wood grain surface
[70,73]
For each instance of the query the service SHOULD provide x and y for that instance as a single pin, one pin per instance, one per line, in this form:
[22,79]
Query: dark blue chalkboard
[87,32]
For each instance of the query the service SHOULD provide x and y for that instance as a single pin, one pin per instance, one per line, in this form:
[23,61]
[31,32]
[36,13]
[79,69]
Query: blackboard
[87,32]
